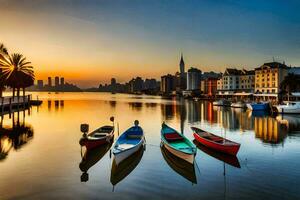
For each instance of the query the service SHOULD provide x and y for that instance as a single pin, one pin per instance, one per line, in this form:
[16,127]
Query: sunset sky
[88,42]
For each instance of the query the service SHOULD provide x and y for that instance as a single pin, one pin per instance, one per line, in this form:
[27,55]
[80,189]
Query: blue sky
[138,37]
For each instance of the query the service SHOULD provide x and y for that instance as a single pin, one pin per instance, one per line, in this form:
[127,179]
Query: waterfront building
[40,84]
[62,81]
[220,84]
[56,81]
[49,81]
[247,81]
[209,86]
[167,84]
[150,84]
[230,81]
[236,81]
[268,78]
[194,79]
[136,85]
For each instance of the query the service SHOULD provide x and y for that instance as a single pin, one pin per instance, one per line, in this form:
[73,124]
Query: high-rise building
[49,81]
[40,84]
[56,81]
[113,81]
[136,85]
[194,79]
[62,81]
[167,84]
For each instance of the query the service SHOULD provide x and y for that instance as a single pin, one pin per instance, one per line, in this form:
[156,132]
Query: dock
[14,104]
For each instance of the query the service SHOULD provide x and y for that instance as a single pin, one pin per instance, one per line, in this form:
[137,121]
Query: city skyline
[125,39]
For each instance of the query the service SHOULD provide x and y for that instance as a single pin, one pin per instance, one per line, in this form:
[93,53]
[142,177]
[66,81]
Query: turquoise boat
[177,144]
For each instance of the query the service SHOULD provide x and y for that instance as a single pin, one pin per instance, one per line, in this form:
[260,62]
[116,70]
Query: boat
[98,137]
[238,104]
[228,159]
[90,158]
[215,142]
[177,144]
[258,106]
[290,107]
[121,170]
[180,166]
[128,142]
[221,102]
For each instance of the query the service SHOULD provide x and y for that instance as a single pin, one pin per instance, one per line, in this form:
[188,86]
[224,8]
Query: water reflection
[180,166]
[228,159]
[124,168]
[90,158]
[58,105]
[14,137]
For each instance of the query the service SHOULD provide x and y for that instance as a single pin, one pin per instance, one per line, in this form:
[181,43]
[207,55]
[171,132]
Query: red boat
[216,142]
[98,137]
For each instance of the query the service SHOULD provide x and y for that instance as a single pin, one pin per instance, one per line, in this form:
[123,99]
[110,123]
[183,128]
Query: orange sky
[90,43]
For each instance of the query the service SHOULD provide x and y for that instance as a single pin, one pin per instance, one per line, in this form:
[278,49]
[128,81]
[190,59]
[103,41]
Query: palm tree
[17,71]
[3,52]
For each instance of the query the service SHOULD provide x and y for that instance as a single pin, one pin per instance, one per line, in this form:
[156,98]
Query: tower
[181,66]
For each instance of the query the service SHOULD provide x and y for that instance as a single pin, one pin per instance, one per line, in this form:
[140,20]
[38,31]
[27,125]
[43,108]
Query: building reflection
[58,104]
[135,105]
[15,136]
[269,130]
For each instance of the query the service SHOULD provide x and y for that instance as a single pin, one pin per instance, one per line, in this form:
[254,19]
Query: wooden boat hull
[227,158]
[119,157]
[182,167]
[187,157]
[232,150]
[125,167]
[91,142]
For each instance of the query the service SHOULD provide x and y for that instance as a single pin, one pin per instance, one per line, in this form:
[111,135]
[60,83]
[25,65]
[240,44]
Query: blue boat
[260,106]
[128,143]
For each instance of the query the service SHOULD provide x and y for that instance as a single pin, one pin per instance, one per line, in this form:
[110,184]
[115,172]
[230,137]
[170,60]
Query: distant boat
[128,143]
[216,142]
[239,104]
[177,144]
[98,137]
[182,167]
[125,167]
[222,102]
[289,108]
[229,159]
[259,106]
[91,157]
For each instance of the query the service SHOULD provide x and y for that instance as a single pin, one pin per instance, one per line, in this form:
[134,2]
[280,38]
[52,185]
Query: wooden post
[10,105]
[2,105]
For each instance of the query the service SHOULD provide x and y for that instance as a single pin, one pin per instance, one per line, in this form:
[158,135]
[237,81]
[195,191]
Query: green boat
[177,144]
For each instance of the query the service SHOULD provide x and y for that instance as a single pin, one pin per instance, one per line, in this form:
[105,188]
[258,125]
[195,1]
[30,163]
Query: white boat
[289,108]
[128,143]
[239,104]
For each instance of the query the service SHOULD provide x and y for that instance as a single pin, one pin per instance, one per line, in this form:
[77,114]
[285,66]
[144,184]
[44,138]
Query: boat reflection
[14,138]
[228,159]
[180,166]
[124,168]
[291,122]
[90,158]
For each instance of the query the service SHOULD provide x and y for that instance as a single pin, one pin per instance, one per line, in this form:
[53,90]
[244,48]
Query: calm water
[40,154]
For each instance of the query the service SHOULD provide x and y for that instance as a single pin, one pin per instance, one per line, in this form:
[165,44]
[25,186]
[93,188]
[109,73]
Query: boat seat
[173,136]
[99,134]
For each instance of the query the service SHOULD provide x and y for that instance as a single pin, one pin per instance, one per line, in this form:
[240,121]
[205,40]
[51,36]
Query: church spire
[181,65]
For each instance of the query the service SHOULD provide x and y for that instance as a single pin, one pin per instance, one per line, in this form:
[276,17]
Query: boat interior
[103,131]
